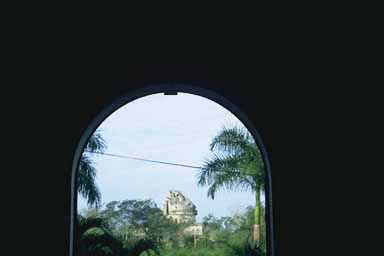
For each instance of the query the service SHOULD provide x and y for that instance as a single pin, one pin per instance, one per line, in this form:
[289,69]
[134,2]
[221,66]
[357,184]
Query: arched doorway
[167,89]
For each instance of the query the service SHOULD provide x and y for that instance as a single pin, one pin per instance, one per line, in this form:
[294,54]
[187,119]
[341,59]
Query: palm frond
[236,164]
[96,143]
[224,172]
[91,222]
[213,166]
[232,140]
[103,243]
[87,173]
[86,181]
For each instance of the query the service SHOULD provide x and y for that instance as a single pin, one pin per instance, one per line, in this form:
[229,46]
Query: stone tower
[179,208]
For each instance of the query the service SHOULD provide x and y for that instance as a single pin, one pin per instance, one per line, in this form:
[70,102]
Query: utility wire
[143,159]
[152,161]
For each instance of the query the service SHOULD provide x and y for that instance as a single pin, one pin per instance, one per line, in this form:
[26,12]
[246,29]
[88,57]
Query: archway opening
[171,169]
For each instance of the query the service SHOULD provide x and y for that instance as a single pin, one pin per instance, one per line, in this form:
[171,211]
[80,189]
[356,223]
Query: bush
[197,252]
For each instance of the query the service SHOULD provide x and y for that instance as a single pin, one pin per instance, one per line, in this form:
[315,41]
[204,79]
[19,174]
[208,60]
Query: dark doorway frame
[169,89]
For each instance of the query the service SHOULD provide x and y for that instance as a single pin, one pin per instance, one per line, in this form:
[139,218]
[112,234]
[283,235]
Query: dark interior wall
[292,102]
[265,99]
[298,83]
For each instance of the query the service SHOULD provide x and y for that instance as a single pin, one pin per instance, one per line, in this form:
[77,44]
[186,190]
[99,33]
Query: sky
[169,128]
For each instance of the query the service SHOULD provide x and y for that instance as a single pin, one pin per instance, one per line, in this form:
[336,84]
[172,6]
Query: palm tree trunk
[256,226]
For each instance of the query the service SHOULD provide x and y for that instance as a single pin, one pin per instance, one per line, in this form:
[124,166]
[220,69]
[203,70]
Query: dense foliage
[138,227]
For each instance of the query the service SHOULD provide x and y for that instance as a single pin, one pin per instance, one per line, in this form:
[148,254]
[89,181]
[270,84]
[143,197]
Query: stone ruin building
[181,209]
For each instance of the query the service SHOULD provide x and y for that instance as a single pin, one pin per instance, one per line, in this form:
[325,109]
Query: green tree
[95,238]
[240,241]
[134,220]
[86,184]
[236,165]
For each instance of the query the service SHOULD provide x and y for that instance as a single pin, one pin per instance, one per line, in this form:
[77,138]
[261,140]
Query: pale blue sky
[168,128]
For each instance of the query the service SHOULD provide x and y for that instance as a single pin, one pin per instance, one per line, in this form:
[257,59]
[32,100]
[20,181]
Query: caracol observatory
[179,208]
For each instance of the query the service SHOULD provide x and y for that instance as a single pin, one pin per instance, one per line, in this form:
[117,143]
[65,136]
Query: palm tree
[236,165]
[86,185]
[94,237]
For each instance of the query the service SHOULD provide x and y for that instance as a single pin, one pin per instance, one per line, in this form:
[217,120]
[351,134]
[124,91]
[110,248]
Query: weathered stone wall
[179,208]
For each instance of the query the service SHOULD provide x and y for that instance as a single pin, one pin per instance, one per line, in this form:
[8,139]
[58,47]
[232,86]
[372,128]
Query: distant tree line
[138,227]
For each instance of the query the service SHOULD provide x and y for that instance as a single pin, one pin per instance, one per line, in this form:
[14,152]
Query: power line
[145,160]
